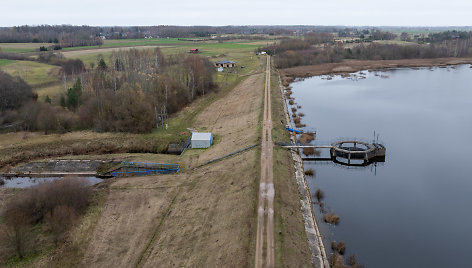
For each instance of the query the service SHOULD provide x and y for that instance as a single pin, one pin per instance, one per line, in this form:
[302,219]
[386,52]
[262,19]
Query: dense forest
[135,93]
[63,35]
[316,48]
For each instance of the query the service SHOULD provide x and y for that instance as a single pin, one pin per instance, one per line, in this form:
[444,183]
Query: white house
[201,139]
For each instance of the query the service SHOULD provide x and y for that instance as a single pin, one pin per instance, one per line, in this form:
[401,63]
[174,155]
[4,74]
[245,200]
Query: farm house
[225,63]
[201,140]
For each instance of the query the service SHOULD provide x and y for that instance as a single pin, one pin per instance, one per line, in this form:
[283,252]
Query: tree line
[317,49]
[62,35]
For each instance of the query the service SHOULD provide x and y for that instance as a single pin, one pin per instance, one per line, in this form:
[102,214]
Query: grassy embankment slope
[291,244]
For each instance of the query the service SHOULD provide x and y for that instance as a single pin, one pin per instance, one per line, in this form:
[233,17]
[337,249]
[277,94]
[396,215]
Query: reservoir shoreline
[417,100]
[319,257]
[349,66]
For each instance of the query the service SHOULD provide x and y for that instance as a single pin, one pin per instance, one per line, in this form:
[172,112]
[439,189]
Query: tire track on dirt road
[265,210]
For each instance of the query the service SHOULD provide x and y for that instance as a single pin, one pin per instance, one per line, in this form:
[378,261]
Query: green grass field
[130,43]
[21,47]
[34,73]
[5,62]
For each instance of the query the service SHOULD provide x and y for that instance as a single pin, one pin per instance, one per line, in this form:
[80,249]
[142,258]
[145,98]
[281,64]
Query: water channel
[414,210]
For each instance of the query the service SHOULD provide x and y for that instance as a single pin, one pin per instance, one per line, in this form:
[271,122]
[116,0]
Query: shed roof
[201,136]
[225,61]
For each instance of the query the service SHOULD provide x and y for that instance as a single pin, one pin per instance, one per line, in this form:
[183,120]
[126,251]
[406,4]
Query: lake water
[414,210]
[26,182]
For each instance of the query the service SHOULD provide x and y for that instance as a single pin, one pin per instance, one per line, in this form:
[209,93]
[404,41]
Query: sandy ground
[348,66]
[203,217]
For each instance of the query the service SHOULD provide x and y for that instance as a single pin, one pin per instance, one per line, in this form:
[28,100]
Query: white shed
[201,139]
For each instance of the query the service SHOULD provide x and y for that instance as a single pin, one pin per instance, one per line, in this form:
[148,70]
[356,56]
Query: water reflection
[411,211]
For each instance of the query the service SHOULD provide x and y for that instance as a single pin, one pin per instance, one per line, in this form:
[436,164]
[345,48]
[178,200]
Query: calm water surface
[415,209]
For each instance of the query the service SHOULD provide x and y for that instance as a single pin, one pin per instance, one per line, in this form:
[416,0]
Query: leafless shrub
[331,218]
[2,181]
[301,114]
[309,172]
[299,106]
[294,115]
[307,137]
[341,248]
[56,203]
[291,102]
[60,220]
[297,120]
[322,208]
[336,261]
[351,260]
[41,200]
[294,109]
[300,125]
[310,151]
[18,230]
[319,195]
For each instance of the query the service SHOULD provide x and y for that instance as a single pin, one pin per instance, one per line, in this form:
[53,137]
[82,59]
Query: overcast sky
[234,12]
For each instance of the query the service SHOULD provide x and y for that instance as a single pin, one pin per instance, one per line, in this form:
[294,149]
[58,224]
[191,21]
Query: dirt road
[265,210]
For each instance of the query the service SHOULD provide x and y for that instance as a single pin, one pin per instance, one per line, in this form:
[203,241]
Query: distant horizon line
[245,25]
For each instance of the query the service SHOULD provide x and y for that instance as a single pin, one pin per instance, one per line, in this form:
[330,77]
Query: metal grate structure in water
[140,169]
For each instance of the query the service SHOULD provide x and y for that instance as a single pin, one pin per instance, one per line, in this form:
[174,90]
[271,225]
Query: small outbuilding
[225,63]
[194,50]
[201,140]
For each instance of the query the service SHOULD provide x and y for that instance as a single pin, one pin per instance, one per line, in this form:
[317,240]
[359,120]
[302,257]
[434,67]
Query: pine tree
[63,101]
[73,95]
[47,99]
[102,65]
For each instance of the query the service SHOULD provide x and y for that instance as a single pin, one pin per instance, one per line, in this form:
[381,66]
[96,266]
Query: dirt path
[265,210]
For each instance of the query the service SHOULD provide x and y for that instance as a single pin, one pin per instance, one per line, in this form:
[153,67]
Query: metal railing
[141,168]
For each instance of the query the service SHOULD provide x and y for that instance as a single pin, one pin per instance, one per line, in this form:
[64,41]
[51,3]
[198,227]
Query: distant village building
[225,63]
[201,139]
